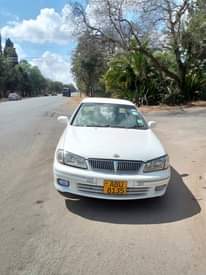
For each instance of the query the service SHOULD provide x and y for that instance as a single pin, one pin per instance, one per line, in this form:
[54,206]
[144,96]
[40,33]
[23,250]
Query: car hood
[129,144]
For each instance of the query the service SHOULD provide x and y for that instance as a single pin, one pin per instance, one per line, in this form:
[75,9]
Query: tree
[151,21]
[3,71]
[20,77]
[130,75]
[88,64]
[38,82]
[0,46]
[2,76]
[10,53]
[197,33]
[55,87]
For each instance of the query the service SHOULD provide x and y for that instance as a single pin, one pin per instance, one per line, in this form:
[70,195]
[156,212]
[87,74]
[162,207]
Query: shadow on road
[179,203]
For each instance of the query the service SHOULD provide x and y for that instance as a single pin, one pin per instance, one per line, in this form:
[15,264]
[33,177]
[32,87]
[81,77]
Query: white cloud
[54,66]
[48,26]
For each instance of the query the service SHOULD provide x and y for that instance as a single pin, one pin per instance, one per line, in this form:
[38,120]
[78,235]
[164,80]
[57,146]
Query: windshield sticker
[134,112]
[140,122]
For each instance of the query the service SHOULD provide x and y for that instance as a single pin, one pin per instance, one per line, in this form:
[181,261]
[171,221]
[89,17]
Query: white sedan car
[14,96]
[109,151]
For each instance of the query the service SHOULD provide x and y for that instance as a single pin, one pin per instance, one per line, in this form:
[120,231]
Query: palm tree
[127,75]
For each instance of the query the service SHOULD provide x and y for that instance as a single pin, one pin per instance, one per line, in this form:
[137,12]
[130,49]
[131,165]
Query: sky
[42,33]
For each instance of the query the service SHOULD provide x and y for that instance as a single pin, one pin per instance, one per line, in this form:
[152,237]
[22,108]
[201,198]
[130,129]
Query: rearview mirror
[63,119]
[152,123]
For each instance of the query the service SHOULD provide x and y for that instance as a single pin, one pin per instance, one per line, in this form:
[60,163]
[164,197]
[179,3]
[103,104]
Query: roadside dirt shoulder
[180,108]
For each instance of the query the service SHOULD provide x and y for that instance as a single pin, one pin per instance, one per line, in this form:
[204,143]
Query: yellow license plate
[115,187]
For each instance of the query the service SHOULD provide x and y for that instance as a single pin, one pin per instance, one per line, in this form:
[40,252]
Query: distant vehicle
[109,151]
[66,92]
[46,94]
[54,94]
[14,96]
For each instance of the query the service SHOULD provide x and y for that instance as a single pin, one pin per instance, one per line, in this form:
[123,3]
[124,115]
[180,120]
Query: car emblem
[115,166]
[116,156]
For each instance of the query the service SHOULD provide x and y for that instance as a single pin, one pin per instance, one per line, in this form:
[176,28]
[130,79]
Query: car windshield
[109,115]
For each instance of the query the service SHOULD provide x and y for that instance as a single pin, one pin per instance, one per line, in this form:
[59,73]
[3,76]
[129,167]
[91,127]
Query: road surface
[43,233]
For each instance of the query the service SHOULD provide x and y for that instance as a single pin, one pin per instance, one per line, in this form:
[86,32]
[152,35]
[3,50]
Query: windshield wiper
[114,126]
[137,127]
[101,126]
[129,127]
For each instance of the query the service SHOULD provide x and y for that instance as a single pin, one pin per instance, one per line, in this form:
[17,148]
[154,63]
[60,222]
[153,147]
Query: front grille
[101,164]
[97,189]
[115,166]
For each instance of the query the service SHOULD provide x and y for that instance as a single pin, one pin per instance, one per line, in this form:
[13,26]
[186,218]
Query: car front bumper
[88,183]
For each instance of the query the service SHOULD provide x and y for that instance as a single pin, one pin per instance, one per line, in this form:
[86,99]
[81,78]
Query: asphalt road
[43,233]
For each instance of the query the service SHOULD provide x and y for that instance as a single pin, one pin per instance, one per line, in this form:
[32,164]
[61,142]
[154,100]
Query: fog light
[63,182]
[160,188]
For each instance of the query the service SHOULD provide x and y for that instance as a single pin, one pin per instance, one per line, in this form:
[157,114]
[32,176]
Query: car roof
[107,100]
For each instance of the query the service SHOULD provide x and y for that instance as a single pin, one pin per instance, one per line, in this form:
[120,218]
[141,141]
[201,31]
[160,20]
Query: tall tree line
[22,77]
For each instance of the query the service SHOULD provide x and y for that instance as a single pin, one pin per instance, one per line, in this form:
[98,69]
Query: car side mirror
[63,119]
[152,123]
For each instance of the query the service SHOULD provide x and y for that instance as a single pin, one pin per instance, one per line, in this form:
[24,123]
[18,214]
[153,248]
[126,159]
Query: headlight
[70,159]
[157,164]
